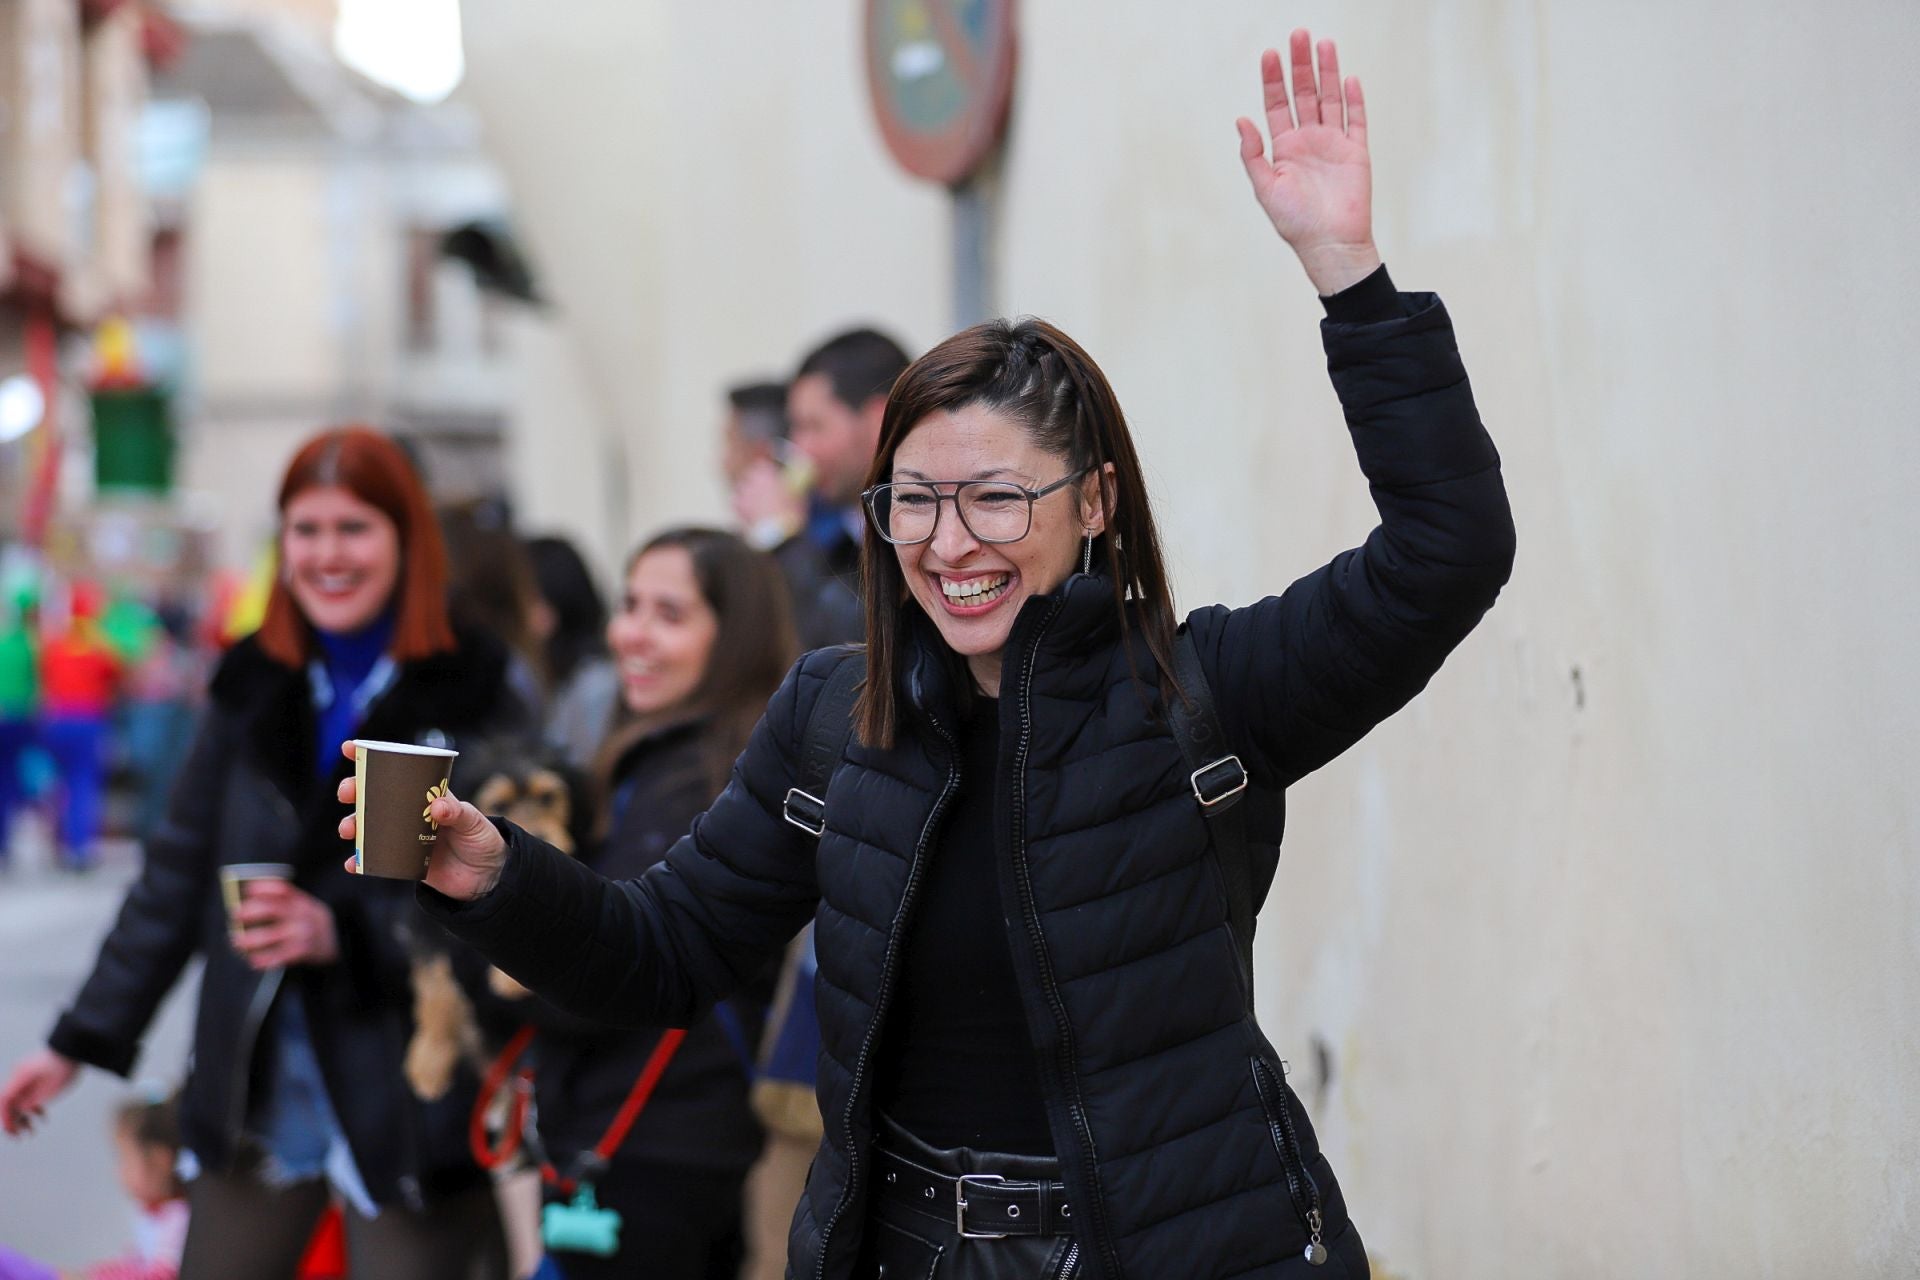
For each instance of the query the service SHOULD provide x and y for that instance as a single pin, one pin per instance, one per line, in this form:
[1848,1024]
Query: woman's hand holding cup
[275,924]
[468,854]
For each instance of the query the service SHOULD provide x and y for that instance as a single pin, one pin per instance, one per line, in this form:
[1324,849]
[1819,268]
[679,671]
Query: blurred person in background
[771,482]
[834,407]
[156,717]
[19,706]
[491,588]
[146,1141]
[571,620]
[79,679]
[294,1094]
[768,479]
[701,638]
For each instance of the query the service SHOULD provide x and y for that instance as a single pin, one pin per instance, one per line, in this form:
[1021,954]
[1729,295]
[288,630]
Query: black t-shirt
[956,1065]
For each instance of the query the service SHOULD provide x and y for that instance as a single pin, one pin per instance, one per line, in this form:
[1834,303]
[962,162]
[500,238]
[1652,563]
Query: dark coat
[699,1114]
[1184,1152]
[823,582]
[250,790]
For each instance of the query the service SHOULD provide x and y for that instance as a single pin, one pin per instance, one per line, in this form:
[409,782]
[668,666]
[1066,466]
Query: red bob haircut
[377,471]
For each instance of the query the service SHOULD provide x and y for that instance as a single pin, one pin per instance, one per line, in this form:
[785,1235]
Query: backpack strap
[1219,781]
[829,725]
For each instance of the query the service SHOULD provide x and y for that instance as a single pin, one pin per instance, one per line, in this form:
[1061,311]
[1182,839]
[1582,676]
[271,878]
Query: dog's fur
[540,800]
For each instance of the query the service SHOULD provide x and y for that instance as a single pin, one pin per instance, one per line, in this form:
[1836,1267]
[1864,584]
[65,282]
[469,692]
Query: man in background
[768,479]
[834,407]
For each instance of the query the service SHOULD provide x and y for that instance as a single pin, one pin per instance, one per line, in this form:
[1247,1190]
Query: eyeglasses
[905,513]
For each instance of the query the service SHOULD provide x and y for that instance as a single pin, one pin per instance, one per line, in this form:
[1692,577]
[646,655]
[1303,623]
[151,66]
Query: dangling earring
[1086,555]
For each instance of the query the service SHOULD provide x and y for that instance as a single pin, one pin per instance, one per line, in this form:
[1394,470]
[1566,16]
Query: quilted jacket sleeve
[664,947]
[158,927]
[1302,676]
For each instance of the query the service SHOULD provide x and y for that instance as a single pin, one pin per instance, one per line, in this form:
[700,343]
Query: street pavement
[59,1198]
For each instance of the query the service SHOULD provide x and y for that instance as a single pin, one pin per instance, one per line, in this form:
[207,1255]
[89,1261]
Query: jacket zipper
[1301,1187]
[1071,1264]
[887,971]
[1068,1068]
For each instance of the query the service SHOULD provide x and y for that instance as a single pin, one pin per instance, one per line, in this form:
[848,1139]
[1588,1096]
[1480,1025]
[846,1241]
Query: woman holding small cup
[295,1095]
[1033,867]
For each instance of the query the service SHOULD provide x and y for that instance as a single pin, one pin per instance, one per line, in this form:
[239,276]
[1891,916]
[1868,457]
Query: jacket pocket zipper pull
[1316,1252]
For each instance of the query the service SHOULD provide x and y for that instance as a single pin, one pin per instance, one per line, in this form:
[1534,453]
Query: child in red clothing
[78,675]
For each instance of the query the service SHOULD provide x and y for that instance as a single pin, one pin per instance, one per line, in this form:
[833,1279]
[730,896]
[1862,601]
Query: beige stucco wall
[1612,937]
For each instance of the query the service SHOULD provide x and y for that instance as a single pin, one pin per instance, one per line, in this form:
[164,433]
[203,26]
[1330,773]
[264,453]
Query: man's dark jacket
[251,790]
[1184,1153]
[822,570]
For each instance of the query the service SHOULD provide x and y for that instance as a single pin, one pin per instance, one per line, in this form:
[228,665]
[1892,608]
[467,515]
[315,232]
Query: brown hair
[152,1125]
[753,645]
[1031,372]
[490,583]
[377,471]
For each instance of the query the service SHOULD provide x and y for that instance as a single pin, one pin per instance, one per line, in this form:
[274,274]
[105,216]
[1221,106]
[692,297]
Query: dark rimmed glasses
[905,512]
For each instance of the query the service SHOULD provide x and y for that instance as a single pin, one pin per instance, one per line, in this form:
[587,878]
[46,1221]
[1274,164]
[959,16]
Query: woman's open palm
[1317,185]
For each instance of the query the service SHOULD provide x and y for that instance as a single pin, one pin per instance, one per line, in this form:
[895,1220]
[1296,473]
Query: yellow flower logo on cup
[439,791]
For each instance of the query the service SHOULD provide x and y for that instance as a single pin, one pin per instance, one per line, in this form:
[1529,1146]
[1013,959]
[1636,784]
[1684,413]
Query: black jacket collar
[454,691]
[1078,617]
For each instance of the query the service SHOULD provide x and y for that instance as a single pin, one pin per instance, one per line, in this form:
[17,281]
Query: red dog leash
[488,1156]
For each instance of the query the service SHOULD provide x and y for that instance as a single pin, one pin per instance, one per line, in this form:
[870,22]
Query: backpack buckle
[1218,782]
[806,811]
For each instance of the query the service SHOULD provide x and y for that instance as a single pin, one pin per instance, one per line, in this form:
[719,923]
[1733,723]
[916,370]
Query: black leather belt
[981,1206]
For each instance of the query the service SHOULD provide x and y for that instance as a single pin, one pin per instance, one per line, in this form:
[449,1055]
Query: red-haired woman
[295,1095]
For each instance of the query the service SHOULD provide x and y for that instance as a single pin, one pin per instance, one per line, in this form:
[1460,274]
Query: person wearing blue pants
[78,745]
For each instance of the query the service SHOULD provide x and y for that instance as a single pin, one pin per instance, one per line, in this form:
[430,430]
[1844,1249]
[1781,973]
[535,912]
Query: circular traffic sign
[941,75]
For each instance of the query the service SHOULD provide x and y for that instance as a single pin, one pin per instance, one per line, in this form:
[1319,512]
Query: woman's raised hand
[1317,188]
[469,854]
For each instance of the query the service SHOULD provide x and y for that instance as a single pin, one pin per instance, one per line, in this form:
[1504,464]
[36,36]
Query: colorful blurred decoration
[130,629]
[133,440]
[941,75]
[116,355]
[237,604]
[20,579]
[132,419]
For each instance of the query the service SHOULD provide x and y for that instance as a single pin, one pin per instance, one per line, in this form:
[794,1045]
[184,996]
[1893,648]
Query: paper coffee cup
[395,784]
[234,880]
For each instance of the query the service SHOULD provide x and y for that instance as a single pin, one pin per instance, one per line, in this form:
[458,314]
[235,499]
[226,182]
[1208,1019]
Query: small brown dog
[540,801]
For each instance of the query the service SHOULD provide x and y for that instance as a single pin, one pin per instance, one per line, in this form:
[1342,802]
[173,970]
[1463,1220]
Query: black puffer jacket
[250,791]
[1184,1151]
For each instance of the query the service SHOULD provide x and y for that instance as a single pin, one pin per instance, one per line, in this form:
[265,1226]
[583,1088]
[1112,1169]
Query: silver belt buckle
[960,1206]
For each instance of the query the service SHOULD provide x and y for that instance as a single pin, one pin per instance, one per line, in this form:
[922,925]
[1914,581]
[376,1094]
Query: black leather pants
[905,1242]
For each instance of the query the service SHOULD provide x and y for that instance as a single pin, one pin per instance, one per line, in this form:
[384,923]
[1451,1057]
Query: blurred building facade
[75,228]
[1600,956]
[313,286]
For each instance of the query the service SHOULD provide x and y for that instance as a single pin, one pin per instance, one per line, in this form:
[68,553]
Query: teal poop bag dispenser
[581,1226]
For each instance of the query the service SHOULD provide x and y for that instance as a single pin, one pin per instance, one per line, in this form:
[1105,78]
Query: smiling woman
[1039,1053]
[1016,427]
[294,1096]
[358,541]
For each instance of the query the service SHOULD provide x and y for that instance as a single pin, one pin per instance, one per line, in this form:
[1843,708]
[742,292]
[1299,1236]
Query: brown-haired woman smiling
[700,638]
[1039,1051]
